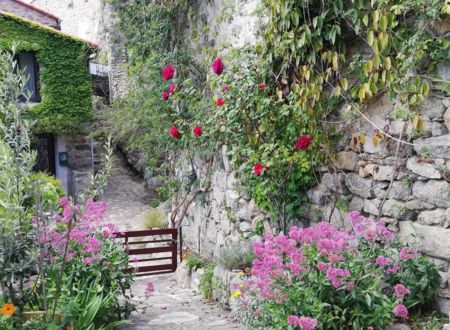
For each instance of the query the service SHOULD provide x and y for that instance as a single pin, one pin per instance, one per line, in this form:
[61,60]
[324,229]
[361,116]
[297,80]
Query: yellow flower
[236,294]
[241,285]
[240,274]
[8,309]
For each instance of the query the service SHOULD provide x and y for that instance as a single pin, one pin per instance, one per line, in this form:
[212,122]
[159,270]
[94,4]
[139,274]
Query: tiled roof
[42,11]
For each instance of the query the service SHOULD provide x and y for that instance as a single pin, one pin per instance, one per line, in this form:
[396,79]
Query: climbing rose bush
[323,277]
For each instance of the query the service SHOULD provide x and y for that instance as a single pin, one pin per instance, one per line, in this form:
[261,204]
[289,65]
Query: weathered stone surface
[424,169]
[245,226]
[437,146]
[416,204]
[359,186]
[432,108]
[319,195]
[433,191]
[383,173]
[447,118]
[356,204]
[399,190]
[346,161]
[432,240]
[394,208]
[335,182]
[398,326]
[433,217]
[371,206]
[443,305]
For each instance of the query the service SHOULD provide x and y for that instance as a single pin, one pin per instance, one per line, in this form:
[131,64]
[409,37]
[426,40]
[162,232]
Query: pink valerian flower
[408,253]
[149,289]
[383,261]
[401,311]
[218,66]
[307,323]
[168,72]
[394,269]
[336,275]
[401,291]
[322,266]
[293,320]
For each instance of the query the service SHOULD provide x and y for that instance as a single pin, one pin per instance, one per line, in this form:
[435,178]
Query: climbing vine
[66,86]
[270,103]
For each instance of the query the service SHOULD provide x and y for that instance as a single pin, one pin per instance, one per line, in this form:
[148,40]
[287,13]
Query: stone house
[59,86]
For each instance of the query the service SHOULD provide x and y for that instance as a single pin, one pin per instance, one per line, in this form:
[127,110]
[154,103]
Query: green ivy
[66,85]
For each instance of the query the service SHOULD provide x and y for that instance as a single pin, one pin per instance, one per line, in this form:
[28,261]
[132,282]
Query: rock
[195,281]
[383,173]
[433,191]
[424,169]
[245,226]
[359,186]
[225,160]
[436,146]
[432,108]
[398,326]
[335,182]
[433,217]
[173,318]
[400,190]
[253,208]
[371,206]
[417,204]
[431,240]
[319,195]
[447,118]
[346,161]
[437,129]
[232,182]
[356,204]
[442,265]
[443,305]
[394,208]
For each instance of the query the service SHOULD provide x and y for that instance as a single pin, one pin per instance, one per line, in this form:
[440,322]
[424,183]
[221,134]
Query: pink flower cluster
[306,323]
[369,229]
[408,253]
[401,291]
[81,227]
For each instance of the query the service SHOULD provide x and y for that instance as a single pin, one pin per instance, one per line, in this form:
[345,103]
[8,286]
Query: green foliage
[66,106]
[194,261]
[206,281]
[237,256]
[50,190]
[154,219]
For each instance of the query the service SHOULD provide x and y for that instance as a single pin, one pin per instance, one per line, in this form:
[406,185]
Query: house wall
[22,10]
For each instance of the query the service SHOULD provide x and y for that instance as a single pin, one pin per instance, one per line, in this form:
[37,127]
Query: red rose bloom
[217,66]
[259,169]
[172,88]
[174,132]
[198,131]
[165,95]
[262,86]
[303,142]
[220,102]
[225,88]
[168,72]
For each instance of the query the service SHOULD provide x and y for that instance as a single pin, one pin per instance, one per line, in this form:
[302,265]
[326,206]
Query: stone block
[371,206]
[346,161]
[335,182]
[424,169]
[319,195]
[447,118]
[359,186]
[416,204]
[437,146]
[433,217]
[432,108]
[383,173]
[356,204]
[400,190]
[431,240]
[433,191]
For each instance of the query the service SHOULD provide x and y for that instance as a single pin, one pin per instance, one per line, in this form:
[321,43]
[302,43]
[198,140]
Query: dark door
[44,144]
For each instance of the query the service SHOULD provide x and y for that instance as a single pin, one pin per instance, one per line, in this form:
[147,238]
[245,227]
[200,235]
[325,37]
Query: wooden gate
[151,251]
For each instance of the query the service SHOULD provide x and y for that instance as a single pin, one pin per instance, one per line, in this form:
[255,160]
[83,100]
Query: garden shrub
[237,256]
[207,281]
[194,261]
[154,219]
[328,278]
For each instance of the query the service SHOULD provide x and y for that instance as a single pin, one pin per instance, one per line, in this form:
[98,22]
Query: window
[28,65]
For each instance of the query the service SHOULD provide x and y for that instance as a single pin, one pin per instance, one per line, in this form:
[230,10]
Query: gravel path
[169,307]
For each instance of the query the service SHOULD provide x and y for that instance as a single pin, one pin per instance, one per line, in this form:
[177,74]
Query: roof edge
[42,11]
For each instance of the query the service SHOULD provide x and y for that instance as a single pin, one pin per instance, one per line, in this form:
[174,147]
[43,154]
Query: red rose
[303,142]
[174,132]
[165,95]
[262,86]
[225,88]
[220,102]
[172,88]
[168,72]
[198,131]
[217,66]
[260,168]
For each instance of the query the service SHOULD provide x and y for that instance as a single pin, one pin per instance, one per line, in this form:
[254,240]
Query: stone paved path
[170,307]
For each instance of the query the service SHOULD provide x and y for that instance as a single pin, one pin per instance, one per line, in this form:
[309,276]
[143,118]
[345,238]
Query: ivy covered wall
[65,82]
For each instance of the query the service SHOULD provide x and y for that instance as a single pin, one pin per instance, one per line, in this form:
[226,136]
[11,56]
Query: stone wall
[417,204]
